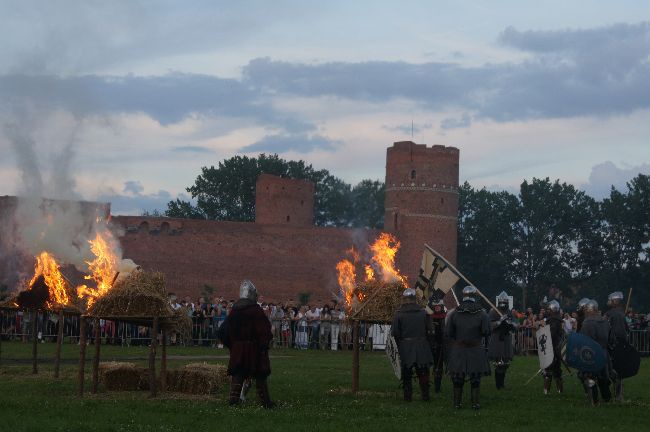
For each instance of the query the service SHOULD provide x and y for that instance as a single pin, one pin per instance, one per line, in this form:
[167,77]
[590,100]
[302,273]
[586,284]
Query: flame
[47,266]
[384,250]
[381,263]
[102,269]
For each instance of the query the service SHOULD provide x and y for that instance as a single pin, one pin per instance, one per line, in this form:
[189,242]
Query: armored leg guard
[476,393]
[547,384]
[236,384]
[437,382]
[407,382]
[605,392]
[618,389]
[559,383]
[458,381]
[591,390]
[263,393]
[423,378]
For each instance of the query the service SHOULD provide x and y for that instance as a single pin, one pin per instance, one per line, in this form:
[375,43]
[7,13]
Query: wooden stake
[34,314]
[163,362]
[59,342]
[152,358]
[82,355]
[355,356]
[98,344]
[629,296]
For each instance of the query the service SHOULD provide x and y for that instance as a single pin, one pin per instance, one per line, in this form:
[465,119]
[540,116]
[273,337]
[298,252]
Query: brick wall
[284,201]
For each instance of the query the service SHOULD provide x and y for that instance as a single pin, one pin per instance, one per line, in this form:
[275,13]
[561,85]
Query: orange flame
[102,269]
[382,262]
[47,266]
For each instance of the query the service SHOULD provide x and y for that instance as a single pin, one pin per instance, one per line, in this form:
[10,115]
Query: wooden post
[34,314]
[163,362]
[82,354]
[59,341]
[98,344]
[629,297]
[152,358]
[355,356]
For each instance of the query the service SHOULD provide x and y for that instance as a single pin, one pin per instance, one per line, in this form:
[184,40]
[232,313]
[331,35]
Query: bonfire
[379,293]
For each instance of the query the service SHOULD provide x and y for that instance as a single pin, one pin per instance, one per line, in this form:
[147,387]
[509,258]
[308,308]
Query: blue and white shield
[584,354]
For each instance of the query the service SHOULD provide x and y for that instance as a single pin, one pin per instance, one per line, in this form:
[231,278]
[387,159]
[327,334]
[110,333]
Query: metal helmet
[247,290]
[470,293]
[582,303]
[409,293]
[615,298]
[591,306]
[503,300]
[553,306]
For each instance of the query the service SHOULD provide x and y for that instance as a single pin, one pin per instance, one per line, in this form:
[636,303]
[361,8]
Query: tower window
[413,175]
[442,200]
[395,221]
[288,218]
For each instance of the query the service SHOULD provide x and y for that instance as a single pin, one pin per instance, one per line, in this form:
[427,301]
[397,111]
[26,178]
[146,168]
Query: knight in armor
[597,327]
[554,320]
[247,334]
[467,327]
[580,311]
[619,329]
[500,349]
[411,329]
[437,342]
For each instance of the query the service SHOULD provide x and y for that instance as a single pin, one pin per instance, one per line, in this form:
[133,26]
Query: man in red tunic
[247,334]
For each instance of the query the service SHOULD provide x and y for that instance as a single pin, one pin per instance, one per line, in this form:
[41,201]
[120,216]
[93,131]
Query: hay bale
[198,378]
[141,294]
[379,301]
[119,376]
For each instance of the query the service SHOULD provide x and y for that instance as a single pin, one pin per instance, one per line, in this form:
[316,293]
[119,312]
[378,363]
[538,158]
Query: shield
[436,277]
[584,354]
[393,356]
[544,347]
[625,360]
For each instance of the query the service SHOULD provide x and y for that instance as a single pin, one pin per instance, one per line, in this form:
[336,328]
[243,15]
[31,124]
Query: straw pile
[197,378]
[140,295]
[379,301]
[120,376]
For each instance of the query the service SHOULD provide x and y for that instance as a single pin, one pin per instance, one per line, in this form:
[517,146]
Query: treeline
[550,239]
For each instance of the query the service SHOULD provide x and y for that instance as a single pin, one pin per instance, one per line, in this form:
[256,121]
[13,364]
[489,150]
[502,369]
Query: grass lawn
[312,391]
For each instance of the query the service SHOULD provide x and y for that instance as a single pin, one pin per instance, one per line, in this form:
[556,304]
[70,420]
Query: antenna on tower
[411,128]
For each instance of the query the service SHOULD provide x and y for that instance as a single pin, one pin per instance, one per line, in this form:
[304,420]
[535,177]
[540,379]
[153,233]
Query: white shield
[544,347]
[393,356]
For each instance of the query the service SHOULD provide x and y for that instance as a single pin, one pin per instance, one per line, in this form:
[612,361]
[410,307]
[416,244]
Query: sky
[125,101]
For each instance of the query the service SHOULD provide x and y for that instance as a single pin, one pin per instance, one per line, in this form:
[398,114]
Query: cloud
[605,175]
[408,128]
[456,123]
[192,149]
[133,202]
[133,186]
[301,143]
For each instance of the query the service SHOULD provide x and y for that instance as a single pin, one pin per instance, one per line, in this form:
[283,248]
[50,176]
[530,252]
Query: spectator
[313,318]
[325,327]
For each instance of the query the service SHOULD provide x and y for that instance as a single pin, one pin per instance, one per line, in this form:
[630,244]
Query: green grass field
[312,391]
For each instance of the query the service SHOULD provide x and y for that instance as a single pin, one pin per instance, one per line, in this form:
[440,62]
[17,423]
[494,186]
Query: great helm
[553,306]
[582,303]
[615,298]
[470,293]
[591,306]
[503,300]
[409,293]
[247,290]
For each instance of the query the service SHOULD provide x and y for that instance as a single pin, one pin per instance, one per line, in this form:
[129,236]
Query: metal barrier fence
[301,334]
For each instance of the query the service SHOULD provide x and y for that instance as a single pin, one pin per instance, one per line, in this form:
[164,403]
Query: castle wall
[284,201]
[282,260]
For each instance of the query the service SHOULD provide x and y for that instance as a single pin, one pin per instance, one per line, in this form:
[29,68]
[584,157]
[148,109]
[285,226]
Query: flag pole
[629,296]
[466,280]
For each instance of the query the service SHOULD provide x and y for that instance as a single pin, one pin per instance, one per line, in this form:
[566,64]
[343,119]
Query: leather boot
[547,385]
[500,378]
[408,390]
[458,396]
[423,378]
[437,383]
[236,384]
[559,383]
[476,394]
[263,393]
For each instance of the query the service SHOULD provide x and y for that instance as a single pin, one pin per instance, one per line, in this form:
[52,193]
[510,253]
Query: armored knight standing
[554,320]
[467,326]
[597,327]
[500,349]
[619,329]
[437,342]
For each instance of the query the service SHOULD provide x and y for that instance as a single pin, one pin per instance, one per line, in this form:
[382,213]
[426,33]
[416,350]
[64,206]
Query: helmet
[247,290]
[591,306]
[503,300]
[469,293]
[582,303]
[615,298]
[553,306]
[409,293]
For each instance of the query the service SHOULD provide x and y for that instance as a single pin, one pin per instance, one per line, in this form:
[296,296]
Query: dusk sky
[125,101]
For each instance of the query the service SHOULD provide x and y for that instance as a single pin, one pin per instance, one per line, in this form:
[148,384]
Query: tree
[368,204]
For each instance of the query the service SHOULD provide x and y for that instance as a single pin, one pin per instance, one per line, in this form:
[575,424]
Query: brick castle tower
[422,201]
[284,201]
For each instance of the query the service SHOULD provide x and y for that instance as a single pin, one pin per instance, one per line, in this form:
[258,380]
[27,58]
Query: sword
[531,378]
